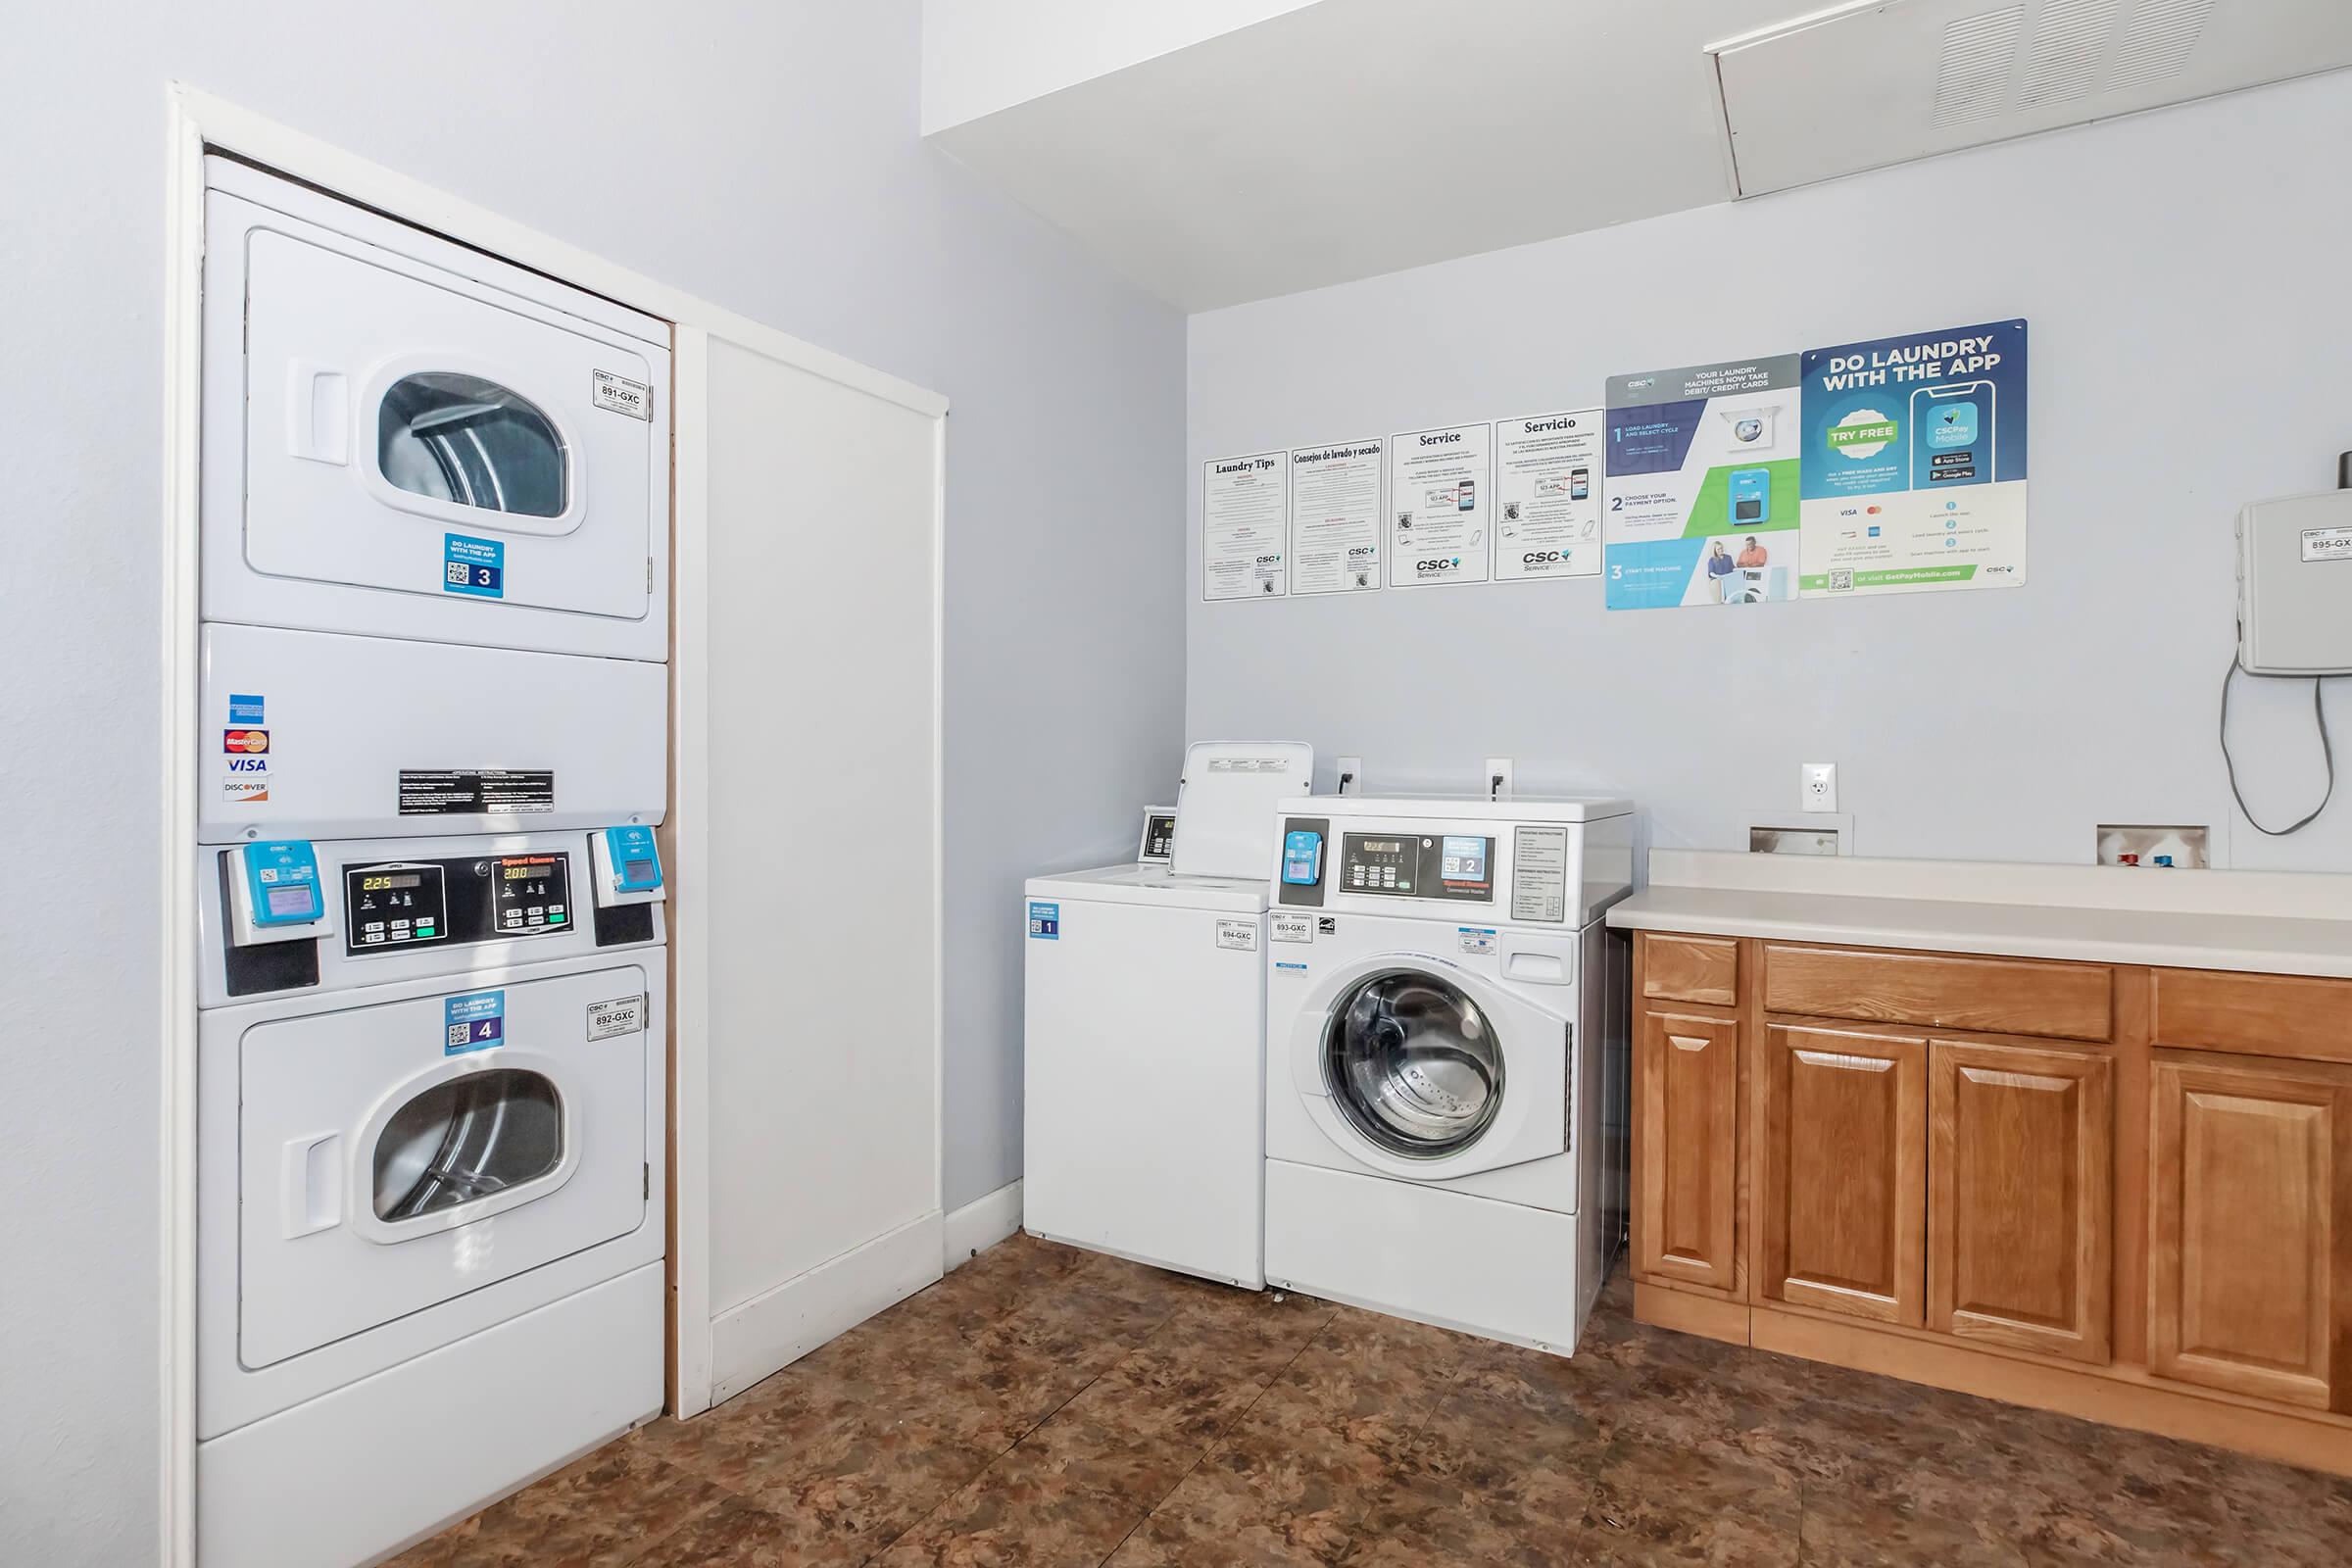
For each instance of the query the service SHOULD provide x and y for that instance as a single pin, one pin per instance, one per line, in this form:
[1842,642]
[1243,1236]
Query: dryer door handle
[318,412]
[310,1184]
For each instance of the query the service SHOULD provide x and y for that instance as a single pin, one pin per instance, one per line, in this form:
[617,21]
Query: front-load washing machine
[1142,1070]
[403,437]
[1442,1049]
[429,1185]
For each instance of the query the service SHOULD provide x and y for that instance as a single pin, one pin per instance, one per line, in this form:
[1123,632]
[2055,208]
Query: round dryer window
[465,1139]
[1413,1064]
[458,438]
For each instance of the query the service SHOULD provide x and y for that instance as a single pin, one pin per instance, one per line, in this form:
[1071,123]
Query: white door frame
[196,124]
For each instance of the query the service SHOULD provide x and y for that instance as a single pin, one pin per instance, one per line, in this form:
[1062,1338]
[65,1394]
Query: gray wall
[763,156]
[2185,277]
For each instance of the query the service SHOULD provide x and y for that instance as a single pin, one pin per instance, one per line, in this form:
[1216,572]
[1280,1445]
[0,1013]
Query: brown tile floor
[1047,1406]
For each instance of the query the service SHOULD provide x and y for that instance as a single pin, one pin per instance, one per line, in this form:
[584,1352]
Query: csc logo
[1268,560]
[1438,566]
[1540,557]
[1358,551]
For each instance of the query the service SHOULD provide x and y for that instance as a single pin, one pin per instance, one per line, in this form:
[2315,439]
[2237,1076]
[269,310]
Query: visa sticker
[474,1021]
[1045,921]
[470,566]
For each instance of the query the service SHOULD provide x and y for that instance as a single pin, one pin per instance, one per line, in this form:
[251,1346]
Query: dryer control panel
[392,905]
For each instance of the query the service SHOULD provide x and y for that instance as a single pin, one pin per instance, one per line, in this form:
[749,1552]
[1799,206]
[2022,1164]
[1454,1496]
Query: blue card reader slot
[281,883]
[1302,858]
[636,862]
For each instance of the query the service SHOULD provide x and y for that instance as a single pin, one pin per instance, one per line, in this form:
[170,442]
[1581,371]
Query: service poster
[1915,462]
[1335,517]
[1701,503]
[1244,518]
[1548,496]
[1441,493]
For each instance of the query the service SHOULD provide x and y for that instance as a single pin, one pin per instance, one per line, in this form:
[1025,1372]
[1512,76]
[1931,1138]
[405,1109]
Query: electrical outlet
[1350,775]
[1818,786]
[1497,779]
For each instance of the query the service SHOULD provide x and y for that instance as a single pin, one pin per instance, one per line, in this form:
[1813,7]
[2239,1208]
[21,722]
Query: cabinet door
[2021,1188]
[1843,1146]
[1687,1118]
[2250,1238]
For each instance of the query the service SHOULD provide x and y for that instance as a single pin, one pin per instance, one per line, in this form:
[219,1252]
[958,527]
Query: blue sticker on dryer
[474,1021]
[1045,921]
[470,566]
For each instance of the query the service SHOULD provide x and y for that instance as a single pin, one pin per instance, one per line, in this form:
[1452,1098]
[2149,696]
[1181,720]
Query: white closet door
[807,838]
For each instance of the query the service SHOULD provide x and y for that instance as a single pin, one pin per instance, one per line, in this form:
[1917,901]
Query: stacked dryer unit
[430,1216]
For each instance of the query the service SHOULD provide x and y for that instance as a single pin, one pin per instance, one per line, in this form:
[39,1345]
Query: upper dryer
[406,438]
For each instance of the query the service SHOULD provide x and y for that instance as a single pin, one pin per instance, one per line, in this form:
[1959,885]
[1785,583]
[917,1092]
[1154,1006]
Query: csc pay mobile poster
[1915,462]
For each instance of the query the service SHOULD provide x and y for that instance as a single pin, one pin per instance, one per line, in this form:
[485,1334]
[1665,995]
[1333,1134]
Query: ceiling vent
[1914,78]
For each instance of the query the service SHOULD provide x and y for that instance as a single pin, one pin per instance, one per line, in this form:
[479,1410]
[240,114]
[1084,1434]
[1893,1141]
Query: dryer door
[410,430]
[1421,1068]
[394,1156]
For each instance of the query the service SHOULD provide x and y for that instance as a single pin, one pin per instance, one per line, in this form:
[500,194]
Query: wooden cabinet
[1842,1212]
[2119,1191]
[2250,1228]
[2021,1180]
[1701,969]
[1687,1120]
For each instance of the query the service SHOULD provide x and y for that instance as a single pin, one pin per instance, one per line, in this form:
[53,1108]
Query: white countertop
[2267,921]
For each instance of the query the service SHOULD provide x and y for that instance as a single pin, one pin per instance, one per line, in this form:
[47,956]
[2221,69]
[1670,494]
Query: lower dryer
[430,1205]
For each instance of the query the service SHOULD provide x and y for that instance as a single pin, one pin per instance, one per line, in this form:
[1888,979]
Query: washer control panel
[1436,866]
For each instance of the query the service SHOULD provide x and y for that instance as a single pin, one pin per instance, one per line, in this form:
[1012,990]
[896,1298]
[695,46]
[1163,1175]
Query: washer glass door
[1413,1064]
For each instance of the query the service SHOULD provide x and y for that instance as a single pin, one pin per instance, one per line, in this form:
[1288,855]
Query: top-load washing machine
[403,437]
[1142,1072]
[1445,1039]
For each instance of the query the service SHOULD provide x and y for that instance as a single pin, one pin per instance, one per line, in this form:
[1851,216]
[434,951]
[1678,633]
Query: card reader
[627,866]
[1302,858]
[274,894]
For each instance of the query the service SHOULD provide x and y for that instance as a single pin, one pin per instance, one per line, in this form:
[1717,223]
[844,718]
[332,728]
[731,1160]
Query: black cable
[2319,711]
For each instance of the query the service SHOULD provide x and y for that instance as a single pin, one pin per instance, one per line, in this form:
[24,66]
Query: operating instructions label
[1540,875]
[468,790]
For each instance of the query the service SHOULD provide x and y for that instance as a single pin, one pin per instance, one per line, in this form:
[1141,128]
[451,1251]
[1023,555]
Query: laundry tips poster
[1702,485]
[1892,465]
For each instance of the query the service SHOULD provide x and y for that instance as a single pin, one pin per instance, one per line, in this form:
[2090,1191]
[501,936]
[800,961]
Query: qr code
[1405,519]
[1510,512]
[456,572]
[459,1033]
[1842,579]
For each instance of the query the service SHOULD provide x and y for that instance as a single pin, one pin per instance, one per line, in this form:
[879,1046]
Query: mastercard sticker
[245,742]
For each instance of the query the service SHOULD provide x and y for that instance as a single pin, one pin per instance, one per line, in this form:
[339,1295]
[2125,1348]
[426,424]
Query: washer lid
[1140,882]
[1225,822]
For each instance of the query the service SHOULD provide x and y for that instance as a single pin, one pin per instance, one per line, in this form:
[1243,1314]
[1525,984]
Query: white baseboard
[982,1223]
[779,1326]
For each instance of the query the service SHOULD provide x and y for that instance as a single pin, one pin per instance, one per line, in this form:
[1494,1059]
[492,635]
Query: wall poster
[1547,495]
[1245,515]
[1915,462]
[1440,496]
[1335,517]
[1702,485]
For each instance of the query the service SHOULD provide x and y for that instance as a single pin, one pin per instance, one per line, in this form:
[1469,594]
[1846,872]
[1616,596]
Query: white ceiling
[1353,138]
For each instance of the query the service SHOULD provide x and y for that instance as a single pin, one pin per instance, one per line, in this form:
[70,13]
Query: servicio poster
[1440,484]
[1244,518]
[1335,517]
[1702,485]
[1547,495]
[1915,462]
